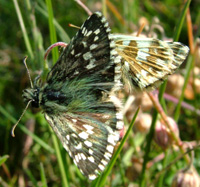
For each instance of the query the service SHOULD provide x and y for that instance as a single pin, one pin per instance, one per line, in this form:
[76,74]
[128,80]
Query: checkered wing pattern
[78,99]
[88,138]
[146,62]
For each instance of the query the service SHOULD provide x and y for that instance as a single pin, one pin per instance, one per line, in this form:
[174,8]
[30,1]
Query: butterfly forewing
[88,52]
[146,62]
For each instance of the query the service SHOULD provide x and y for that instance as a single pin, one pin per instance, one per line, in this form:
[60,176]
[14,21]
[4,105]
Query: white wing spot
[88,34]
[126,42]
[91,64]
[111,139]
[120,125]
[68,137]
[119,115]
[92,177]
[74,120]
[66,147]
[117,77]
[126,64]
[97,31]
[76,158]
[91,151]
[87,56]
[79,146]
[110,148]
[112,44]
[89,144]
[84,44]
[75,162]
[83,30]
[93,46]
[108,29]
[89,129]
[117,60]
[106,24]
[91,159]
[113,52]
[101,167]
[83,135]
[96,38]
[83,156]
[77,55]
[142,55]
[79,156]
[76,73]
[107,155]
[72,52]
[144,73]
[103,19]
[104,162]
[74,135]
[98,13]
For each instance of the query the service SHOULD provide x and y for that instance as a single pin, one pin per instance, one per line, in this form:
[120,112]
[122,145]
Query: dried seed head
[163,136]
[187,178]
[175,84]
[144,101]
[143,123]
[197,85]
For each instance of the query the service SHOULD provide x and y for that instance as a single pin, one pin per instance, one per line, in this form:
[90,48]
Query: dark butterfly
[78,97]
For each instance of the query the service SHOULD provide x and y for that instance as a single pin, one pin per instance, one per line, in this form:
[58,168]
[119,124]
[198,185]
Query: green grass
[35,156]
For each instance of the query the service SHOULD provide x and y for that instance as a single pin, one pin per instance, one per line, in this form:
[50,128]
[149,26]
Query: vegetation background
[35,157]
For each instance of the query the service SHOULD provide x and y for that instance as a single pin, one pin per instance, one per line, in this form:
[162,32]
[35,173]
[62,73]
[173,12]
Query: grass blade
[23,28]
[52,30]
[43,176]
[3,159]
[26,131]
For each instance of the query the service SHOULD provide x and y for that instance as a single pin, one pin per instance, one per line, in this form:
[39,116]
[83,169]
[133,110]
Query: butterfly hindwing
[88,138]
[146,62]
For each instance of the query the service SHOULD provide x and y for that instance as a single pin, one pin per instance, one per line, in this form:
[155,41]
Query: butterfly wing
[90,51]
[146,62]
[79,101]
[88,138]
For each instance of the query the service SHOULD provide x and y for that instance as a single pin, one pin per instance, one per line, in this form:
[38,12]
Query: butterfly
[79,96]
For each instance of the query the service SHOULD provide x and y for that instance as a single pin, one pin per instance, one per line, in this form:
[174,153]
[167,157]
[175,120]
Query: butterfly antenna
[13,129]
[74,26]
[28,71]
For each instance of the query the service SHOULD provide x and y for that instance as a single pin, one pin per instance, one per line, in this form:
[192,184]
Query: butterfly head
[32,94]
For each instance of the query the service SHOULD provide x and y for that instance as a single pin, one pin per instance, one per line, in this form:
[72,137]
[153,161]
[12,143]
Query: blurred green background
[27,155]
